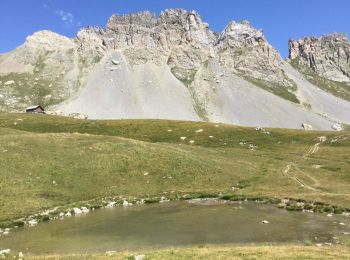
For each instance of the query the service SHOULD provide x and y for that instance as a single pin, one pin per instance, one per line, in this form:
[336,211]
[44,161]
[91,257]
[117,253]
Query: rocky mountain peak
[48,40]
[241,34]
[142,19]
[335,38]
[244,50]
[328,56]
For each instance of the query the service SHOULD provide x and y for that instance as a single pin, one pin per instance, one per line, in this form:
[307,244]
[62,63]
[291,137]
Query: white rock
[337,127]
[210,136]
[32,222]
[139,257]
[329,215]
[20,255]
[191,142]
[125,203]
[5,251]
[10,82]
[146,173]
[306,126]
[199,130]
[84,210]
[68,214]
[342,224]
[110,204]
[322,138]
[183,138]
[163,199]
[111,253]
[77,211]
[265,222]
[252,147]
[115,62]
[61,214]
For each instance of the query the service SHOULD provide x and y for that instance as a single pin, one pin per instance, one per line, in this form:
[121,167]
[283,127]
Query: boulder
[32,222]
[10,82]
[77,211]
[84,210]
[306,127]
[337,127]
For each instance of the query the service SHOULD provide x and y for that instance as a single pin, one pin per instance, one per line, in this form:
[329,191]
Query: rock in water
[77,211]
[32,222]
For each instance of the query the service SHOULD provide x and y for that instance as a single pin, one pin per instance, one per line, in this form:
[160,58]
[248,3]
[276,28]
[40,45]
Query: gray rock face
[47,69]
[177,37]
[185,42]
[328,56]
[244,50]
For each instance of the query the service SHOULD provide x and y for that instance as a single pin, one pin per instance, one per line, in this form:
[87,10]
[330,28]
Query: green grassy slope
[48,161]
[338,89]
[287,93]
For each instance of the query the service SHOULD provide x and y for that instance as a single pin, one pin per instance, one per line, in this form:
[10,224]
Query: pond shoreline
[85,207]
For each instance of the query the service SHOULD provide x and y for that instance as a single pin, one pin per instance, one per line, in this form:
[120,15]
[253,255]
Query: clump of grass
[152,200]
[294,207]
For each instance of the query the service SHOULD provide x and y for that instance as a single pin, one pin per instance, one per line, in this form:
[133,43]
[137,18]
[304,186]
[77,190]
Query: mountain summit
[172,66]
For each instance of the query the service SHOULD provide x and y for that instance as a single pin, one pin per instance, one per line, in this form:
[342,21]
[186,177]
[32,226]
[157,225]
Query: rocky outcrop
[244,50]
[177,37]
[182,40]
[328,56]
[47,69]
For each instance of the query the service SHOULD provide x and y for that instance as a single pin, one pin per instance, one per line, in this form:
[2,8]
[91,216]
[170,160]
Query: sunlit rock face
[328,56]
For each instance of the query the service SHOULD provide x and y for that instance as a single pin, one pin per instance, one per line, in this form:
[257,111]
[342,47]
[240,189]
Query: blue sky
[280,19]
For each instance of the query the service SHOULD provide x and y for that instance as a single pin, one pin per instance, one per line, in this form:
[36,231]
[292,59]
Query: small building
[35,109]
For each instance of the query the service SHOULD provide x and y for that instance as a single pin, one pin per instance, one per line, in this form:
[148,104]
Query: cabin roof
[34,107]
